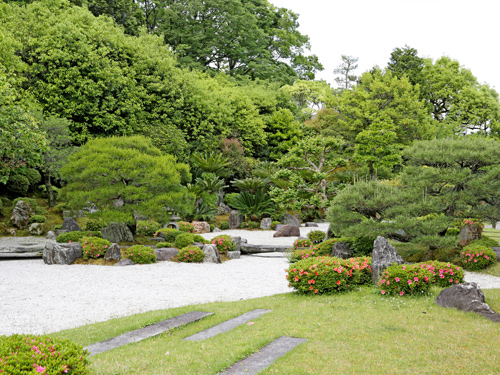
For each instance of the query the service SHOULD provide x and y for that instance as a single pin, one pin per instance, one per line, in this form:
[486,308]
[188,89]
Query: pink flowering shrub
[21,354]
[405,280]
[301,254]
[359,269]
[325,248]
[147,227]
[318,275]
[191,254]
[184,226]
[445,274]
[223,243]
[249,225]
[302,242]
[140,254]
[477,257]
[94,247]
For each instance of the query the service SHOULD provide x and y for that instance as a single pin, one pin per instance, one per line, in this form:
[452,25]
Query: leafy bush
[212,227]
[452,232]
[30,201]
[96,224]
[183,240]
[359,269]
[318,275]
[37,219]
[170,233]
[34,177]
[302,254]
[191,254]
[405,280]
[76,236]
[362,246]
[302,242]
[316,236]
[165,244]
[477,257]
[325,248]
[94,247]
[26,354]
[18,184]
[184,226]
[445,274]
[436,241]
[147,227]
[249,225]
[229,198]
[485,241]
[224,225]
[140,254]
[274,224]
[257,204]
[112,216]
[198,238]
[223,243]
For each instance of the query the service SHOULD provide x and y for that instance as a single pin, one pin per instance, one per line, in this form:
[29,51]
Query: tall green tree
[346,78]
[406,62]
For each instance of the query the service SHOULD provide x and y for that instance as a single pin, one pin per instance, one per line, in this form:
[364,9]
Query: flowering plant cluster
[302,242]
[318,275]
[477,257]
[94,247]
[191,254]
[147,227]
[325,248]
[316,236]
[473,221]
[274,223]
[445,274]
[21,354]
[359,269]
[184,226]
[249,225]
[95,224]
[140,254]
[302,254]
[405,280]
[223,243]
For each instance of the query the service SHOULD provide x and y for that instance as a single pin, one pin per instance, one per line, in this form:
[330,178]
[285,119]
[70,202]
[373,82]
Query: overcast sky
[467,31]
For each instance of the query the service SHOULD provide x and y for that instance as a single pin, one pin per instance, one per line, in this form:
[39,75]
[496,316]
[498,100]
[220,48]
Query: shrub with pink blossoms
[223,243]
[140,254]
[94,247]
[302,242]
[445,274]
[405,280]
[477,257]
[191,254]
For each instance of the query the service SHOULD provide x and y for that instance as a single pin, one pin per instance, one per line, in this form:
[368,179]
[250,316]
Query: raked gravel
[37,298]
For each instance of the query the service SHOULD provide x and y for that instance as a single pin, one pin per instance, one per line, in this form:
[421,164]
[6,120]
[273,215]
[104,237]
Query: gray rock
[237,242]
[21,214]
[71,225]
[244,240]
[36,229]
[113,252]
[467,297]
[216,230]
[77,214]
[341,250]
[279,226]
[235,220]
[61,231]
[201,227]
[124,262]
[234,254]
[256,249]
[158,238]
[384,254]
[25,246]
[118,203]
[310,224]
[199,245]
[211,254]
[265,223]
[61,253]
[469,233]
[165,253]
[291,220]
[117,232]
[288,231]
[224,208]
[51,235]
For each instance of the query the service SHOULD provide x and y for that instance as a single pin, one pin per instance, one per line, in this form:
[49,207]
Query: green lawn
[359,332]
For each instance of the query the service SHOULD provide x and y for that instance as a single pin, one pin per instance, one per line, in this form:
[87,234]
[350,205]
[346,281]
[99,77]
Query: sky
[466,31]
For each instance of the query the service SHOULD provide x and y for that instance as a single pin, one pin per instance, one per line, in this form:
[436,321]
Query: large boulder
[70,225]
[235,220]
[467,297]
[469,233]
[21,214]
[113,252]
[211,254]
[201,227]
[117,232]
[51,235]
[236,240]
[291,220]
[288,231]
[36,229]
[384,254]
[265,223]
[341,250]
[61,253]
[165,253]
[234,254]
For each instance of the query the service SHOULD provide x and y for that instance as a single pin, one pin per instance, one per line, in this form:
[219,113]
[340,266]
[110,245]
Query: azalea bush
[325,248]
[94,247]
[274,223]
[169,234]
[223,243]
[405,280]
[27,354]
[140,254]
[184,226]
[199,238]
[445,274]
[184,239]
[147,227]
[302,242]
[95,224]
[477,257]
[164,244]
[191,254]
[249,225]
[316,236]
[302,254]
[359,269]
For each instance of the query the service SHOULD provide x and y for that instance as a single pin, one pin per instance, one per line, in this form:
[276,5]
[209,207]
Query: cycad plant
[252,184]
[254,205]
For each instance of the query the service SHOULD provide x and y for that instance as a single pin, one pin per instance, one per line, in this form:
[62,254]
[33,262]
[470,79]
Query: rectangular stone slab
[265,357]
[146,332]
[227,325]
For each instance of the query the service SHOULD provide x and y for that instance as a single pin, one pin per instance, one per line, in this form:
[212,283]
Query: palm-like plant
[252,184]
[210,184]
[211,162]
[253,205]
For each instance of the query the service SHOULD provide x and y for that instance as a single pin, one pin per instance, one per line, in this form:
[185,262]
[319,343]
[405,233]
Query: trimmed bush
[319,275]
[452,232]
[302,242]
[302,254]
[316,236]
[325,248]
[165,244]
[249,225]
[445,274]
[477,257]
[224,225]
[359,269]
[362,246]
[77,236]
[198,238]
[96,224]
[37,219]
[191,254]
[184,226]
[274,224]
[170,233]
[184,239]
[140,254]
[18,184]
[485,241]
[223,243]
[147,227]
[94,247]
[28,354]
[405,280]
[212,227]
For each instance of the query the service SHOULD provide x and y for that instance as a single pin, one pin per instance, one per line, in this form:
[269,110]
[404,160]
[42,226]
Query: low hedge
[77,236]
[184,226]
[301,254]
[325,248]
[169,233]
[316,236]
[359,269]
[302,242]
[445,274]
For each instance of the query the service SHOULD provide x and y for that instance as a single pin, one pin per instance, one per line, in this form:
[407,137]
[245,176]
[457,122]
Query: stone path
[21,247]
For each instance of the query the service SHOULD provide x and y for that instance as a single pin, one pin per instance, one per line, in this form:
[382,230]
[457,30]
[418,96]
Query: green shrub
[96,224]
[452,232]
[477,257]
[436,242]
[316,236]
[359,270]
[34,177]
[249,225]
[302,242]
[485,241]
[301,254]
[184,239]
[18,184]
[325,248]
[59,208]
[223,243]
[27,354]
[165,244]
[184,226]
[191,254]
[94,247]
[76,236]
[405,280]
[37,219]
[318,275]
[224,225]
[147,227]
[349,241]
[170,233]
[362,246]
[58,226]
[198,238]
[140,254]
[212,227]
[112,216]
[229,198]
[30,201]
[444,274]
[274,224]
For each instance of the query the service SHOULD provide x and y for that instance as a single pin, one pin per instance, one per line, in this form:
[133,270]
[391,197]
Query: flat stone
[158,239]
[164,254]
[146,332]
[288,231]
[311,224]
[19,245]
[20,255]
[234,254]
[71,225]
[268,255]
[252,249]
[227,325]
[61,253]
[124,262]
[265,357]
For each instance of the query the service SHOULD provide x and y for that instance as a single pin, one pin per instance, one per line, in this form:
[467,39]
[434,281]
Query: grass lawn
[359,332]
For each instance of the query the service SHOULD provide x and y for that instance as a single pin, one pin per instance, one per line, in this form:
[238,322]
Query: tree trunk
[48,187]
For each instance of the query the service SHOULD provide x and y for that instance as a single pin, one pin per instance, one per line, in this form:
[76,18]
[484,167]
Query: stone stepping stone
[146,332]
[265,357]
[227,325]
